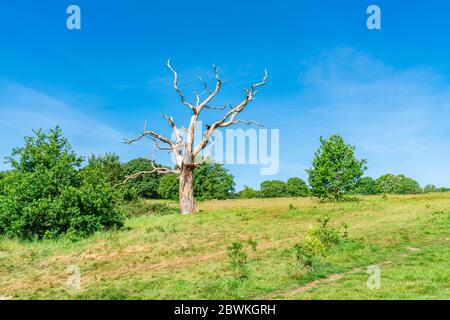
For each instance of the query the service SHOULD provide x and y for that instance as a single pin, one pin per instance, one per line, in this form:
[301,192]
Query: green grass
[185,257]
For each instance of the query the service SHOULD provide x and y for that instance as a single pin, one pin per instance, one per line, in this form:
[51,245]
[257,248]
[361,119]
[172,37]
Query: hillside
[185,257]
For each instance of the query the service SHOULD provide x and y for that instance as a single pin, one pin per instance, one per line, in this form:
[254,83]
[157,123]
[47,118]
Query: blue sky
[387,91]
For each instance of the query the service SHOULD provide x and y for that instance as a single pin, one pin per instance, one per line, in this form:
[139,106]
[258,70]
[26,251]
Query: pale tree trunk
[187,202]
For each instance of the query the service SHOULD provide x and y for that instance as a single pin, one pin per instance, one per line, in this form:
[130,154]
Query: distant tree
[397,184]
[146,185]
[211,181]
[296,187]
[335,170]
[365,186]
[248,193]
[430,188]
[273,189]
[109,166]
[45,195]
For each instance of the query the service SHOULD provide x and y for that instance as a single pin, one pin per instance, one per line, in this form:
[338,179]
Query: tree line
[50,191]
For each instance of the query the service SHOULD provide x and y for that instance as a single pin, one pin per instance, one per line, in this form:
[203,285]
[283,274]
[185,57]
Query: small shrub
[317,242]
[293,209]
[239,258]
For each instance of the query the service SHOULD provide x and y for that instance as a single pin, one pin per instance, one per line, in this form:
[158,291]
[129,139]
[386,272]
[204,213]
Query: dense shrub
[211,181]
[147,185]
[45,195]
[296,187]
[397,184]
[335,170]
[273,189]
[317,242]
[365,186]
[248,193]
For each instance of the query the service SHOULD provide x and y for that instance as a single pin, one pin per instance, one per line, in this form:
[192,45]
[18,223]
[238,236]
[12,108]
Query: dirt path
[331,278]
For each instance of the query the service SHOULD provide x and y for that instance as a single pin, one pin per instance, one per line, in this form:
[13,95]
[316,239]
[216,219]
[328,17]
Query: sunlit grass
[184,257]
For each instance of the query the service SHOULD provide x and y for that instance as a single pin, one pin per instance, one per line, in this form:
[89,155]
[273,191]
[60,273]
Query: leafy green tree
[146,185]
[248,193]
[365,186]
[273,189]
[169,187]
[335,170]
[45,195]
[109,166]
[211,181]
[296,187]
[397,184]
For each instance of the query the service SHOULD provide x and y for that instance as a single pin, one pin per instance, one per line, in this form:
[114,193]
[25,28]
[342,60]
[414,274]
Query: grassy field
[185,257]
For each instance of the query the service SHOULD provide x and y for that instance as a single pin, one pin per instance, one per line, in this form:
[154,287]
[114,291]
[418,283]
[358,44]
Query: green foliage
[296,187]
[142,207]
[429,188]
[273,189]
[169,187]
[397,184]
[211,181]
[146,185]
[365,186]
[46,196]
[317,243]
[335,170]
[109,166]
[239,258]
[432,188]
[248,193]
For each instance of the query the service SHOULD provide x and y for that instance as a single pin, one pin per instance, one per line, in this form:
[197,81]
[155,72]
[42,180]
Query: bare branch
[152,134]
[175,85]
[242,121]
[212,94]
[218,108]
[230,117]
[154,169]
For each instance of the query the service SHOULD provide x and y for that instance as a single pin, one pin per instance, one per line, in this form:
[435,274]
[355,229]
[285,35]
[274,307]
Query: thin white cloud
[23,109]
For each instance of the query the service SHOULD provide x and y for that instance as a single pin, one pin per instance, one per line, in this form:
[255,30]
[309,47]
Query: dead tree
[182,147]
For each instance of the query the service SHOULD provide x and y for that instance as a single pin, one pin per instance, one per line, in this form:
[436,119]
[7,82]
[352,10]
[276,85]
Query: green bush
[239,258]
[248,193]
[365,186]
[146,186]
[317,243]
[45,195]
[296,187]
[273,189]
[397,184]
[335,170]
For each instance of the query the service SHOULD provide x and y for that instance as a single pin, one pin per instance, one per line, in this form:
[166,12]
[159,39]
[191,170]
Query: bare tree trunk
[183,147]
[187,202]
